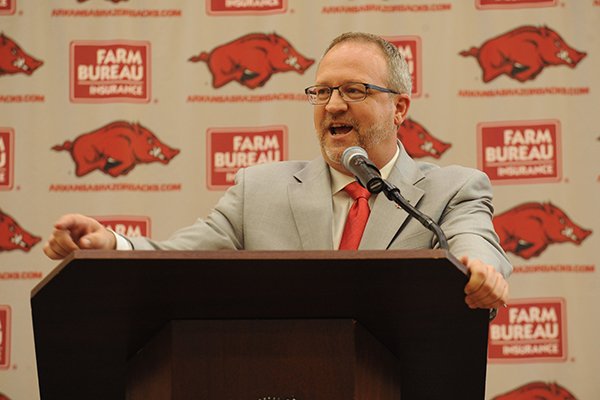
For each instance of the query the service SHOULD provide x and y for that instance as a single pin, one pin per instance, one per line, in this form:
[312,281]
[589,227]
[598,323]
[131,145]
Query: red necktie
[357,216]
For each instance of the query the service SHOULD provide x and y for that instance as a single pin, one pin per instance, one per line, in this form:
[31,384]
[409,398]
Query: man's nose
[336,104]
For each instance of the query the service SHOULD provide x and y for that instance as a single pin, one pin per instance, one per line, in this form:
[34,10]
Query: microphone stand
[393,194]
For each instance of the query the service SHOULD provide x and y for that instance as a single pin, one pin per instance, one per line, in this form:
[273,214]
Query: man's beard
[365,138]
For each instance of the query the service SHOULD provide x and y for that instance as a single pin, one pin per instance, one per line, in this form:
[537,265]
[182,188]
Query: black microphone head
[356,161]
[350,153]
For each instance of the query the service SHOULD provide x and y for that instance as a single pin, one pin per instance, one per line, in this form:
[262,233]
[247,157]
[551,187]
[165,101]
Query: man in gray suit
[361,96]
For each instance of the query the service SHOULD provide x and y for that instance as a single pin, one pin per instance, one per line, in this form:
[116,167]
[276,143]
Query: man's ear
[402,106]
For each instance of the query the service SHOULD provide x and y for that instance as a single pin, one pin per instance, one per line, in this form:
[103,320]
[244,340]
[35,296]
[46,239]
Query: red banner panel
[520,151]
[529,330]
[110,71]
[229,149]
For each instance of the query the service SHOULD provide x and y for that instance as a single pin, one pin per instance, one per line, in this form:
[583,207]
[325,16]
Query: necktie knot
[356,191]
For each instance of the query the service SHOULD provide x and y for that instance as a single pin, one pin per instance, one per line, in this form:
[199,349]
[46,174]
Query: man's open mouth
[340,129]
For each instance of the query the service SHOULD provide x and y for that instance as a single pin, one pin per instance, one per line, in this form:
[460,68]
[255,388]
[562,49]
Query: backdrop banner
[116,108]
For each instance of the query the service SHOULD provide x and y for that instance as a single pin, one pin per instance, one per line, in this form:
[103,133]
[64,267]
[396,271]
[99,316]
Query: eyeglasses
[350,92]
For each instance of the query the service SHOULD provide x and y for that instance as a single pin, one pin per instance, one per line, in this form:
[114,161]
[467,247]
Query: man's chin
[333,154]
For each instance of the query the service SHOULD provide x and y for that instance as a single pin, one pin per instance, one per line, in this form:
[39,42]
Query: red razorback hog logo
[14,60]
[527,229]
[13,237]
[116,149]
[523,53]
[537,391]
[418,142]
[252,59]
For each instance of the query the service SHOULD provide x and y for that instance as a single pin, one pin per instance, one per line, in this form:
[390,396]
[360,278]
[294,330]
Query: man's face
[372,123]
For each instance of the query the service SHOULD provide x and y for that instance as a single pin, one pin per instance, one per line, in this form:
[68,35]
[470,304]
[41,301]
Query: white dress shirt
[342,200]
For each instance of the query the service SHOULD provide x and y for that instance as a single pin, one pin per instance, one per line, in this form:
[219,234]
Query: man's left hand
[486,288]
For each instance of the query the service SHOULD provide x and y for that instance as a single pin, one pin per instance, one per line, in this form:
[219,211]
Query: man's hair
[399,78]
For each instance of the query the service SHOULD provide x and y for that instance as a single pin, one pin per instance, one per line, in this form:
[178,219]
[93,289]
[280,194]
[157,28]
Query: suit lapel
[311,204]
[386,219]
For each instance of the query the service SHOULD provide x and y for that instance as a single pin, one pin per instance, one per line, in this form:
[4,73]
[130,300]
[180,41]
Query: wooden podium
[258,325]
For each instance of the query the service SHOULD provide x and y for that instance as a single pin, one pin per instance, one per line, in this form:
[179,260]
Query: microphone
[356,160]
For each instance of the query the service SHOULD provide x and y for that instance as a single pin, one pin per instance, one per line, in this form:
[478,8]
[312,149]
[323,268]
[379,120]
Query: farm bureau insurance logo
[127,225]
[230,149]
[110,71]
[6,158]
[245,7]
[7,7]
[529,330]
[4,337]
[520,151]
[410,48]
[492,4]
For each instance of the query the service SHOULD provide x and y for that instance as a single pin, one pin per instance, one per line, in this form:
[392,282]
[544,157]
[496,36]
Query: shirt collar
[339,180]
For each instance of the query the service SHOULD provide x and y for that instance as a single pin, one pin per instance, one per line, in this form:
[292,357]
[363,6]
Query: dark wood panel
[97,309]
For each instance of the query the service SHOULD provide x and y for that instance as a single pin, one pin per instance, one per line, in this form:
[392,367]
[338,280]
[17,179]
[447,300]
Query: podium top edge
[309,255]
[259,254]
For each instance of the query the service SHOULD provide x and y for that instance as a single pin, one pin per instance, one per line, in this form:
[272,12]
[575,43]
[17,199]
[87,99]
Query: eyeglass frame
[332,88]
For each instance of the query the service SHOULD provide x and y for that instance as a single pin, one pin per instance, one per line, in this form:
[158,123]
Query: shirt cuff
[122,243]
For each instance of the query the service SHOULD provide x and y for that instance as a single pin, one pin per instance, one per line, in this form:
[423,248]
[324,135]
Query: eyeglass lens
[348,91]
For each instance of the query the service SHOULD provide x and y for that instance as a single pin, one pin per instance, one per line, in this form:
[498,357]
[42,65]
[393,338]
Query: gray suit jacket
[288,206]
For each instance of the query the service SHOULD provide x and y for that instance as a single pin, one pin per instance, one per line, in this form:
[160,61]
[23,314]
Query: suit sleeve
[222,229]
[467,223]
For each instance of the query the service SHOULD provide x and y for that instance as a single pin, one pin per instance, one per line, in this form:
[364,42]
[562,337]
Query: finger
[60,245]
[501,296]
[77,224]
[51,253]
[67,221]
[478,276]
[57,253]
[495,298]
[99,239]
[88,241]
[479,302]
[63,239]
[485,285]
[488,287]
[54,251]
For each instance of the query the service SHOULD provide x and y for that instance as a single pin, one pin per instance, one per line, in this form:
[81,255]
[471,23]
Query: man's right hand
[75,231]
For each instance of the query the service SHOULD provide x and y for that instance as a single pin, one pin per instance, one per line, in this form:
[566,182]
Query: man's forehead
[352,61]
[352,46]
